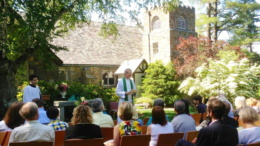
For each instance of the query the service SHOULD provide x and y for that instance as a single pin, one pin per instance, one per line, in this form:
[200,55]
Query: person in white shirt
[124,87]
[31,91]
[32,130]
[99,118]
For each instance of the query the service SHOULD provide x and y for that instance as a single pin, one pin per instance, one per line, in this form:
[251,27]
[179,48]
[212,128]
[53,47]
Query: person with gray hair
[222,97]
[99,118]
[124,88]
[32,130]
[182,122]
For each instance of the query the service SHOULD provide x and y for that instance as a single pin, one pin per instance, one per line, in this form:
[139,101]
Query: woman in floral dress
[127,126]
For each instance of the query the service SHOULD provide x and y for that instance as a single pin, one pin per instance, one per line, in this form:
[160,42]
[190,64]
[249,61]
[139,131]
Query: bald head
[128,73]
[29,111]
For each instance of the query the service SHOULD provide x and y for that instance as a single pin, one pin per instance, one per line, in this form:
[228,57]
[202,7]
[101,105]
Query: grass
[146,113]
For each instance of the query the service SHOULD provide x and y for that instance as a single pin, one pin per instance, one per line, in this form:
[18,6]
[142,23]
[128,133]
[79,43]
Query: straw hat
[135,114]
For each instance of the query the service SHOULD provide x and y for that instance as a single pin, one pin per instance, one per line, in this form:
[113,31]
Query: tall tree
[27,27]
[246,31]
[219,18]
[195,51]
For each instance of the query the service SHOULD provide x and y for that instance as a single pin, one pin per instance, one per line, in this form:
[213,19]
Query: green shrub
[160,82]
[142,100]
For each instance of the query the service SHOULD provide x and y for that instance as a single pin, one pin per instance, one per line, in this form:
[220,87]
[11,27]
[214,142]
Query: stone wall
[86,74]
[168,35]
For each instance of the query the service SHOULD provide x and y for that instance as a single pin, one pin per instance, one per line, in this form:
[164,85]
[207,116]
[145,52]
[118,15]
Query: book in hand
[133,91]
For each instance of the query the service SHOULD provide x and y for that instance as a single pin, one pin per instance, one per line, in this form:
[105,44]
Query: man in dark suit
[226,119]
[217,133]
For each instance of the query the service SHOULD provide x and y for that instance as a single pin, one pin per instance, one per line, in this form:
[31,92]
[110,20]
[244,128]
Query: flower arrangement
[63,87]
[81,101]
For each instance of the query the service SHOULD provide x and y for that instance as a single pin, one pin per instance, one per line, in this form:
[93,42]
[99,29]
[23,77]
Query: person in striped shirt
[55,122]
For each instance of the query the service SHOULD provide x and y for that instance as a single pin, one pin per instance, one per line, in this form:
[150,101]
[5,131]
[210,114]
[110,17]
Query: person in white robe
[31,91]
[124,87]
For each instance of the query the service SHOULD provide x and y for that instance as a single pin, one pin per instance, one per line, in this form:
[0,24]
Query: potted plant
[63,89]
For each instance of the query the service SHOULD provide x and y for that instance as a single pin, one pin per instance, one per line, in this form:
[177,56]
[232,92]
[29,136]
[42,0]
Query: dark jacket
[230,121]
[217,134]
[201,108]
[83,131]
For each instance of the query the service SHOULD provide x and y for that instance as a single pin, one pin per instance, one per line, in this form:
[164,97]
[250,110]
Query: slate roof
[86,47]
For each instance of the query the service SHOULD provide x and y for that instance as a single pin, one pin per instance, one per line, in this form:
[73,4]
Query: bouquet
[63,87]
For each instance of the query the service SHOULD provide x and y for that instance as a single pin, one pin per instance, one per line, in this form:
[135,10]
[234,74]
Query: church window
[156,23]
[108,78]
[155,48]
[181,23]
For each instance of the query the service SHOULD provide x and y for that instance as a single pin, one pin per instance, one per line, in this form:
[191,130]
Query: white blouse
[4,127]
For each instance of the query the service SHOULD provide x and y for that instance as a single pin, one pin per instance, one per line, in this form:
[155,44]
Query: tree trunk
[209,26]
[7,91]
[215,23]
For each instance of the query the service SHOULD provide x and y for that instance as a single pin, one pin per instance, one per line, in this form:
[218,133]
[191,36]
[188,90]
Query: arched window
[156,23]
[181,23]
[108,78]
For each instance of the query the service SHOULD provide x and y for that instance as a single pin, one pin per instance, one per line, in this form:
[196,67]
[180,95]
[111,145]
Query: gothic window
[156,23]
[155,48]
[108,78]
[181,23]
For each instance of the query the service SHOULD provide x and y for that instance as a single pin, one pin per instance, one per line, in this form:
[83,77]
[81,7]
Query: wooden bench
[145,105]
[84,142]
[42,143]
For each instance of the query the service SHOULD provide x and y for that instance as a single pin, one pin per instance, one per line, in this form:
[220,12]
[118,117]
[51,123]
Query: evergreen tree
[160,82]
[245,31]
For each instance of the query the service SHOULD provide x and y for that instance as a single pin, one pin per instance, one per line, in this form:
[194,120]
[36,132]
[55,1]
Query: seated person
[127,126]
[226,119]
[197,100]
[159,125]
[251,133]
[99,118]
[217,133]
[42,113]
[240,102]
[12,117]
[82,125]
[157,102]
[55,123]
[32,130]
[135,116]
[182,122]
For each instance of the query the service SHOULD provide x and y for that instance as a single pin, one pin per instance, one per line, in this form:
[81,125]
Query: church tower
[163,30]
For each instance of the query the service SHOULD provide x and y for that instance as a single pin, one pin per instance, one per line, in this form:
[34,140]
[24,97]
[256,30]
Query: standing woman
[12,117]
[159,125]
[82,125]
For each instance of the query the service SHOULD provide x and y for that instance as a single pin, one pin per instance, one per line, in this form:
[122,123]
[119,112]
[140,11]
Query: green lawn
[146,113]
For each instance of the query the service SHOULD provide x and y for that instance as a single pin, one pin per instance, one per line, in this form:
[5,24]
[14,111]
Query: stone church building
[92,59]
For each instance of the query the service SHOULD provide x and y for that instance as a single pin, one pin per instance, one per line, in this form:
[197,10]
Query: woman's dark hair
[187,105]
[52,112]
[12,117]
[159,116]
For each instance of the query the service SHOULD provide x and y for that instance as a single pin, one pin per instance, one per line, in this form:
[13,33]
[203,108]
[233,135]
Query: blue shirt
[249,135]
[151,119]
[43,119]
[201,108]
